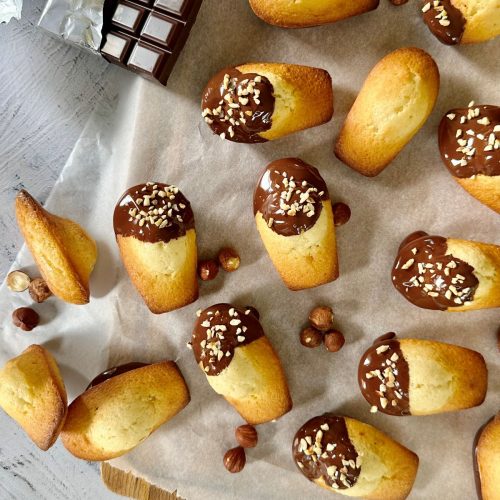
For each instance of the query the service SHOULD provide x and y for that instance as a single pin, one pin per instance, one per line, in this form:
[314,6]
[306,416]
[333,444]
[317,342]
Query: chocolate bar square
[147,36]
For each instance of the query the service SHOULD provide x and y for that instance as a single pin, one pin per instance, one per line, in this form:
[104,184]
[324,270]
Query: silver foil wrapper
[10,9]
[77,21]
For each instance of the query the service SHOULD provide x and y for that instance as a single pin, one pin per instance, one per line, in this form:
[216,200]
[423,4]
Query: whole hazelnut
[334,341]
[235,459]
[247,436]
[208,269]
[18,281]
[39,290]
[321,318]
[341,213]
[25,318]
[310,337]
[229,259]
[253,311]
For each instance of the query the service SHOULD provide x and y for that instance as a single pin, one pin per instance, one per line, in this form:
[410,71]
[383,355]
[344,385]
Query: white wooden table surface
[47,91]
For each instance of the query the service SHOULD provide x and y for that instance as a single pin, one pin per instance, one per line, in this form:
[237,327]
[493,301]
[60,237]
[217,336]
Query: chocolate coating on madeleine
[153,212]
[384,376]
[219,330]
[444,20]
[322,449]
[289,196]
[429,278]
[238,106]
[469,140]
[113,372]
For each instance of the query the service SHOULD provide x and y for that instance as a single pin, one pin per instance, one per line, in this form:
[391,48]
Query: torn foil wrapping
[78,21]
[10,9]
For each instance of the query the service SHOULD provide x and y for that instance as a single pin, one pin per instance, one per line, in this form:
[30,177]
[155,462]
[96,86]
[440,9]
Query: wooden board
[126,484]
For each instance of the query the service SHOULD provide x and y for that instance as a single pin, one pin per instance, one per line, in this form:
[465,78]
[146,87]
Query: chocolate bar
[147,36]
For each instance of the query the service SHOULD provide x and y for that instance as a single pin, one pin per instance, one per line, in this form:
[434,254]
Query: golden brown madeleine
[309,12]
[240,363]
[293,213]
[396,99]
[487,459]
[446,274]
[462,21]
[352,458]
[155,231]
[122,409]
[64,253]
[32,392]
[469,142]
[265,101]
[421,377]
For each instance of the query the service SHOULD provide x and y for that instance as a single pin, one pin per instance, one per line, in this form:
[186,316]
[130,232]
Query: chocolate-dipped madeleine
[447,274]
[261,102]
[469,142]
[352,458]
[421,377]
[240,363]
[455,22]
[294,217]
[155,231]
[487,459]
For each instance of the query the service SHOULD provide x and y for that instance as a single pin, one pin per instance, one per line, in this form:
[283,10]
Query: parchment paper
[150,133]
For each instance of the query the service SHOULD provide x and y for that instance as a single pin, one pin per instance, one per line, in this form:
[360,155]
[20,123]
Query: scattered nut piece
[208,269]
[252,311]
[229,259]
[341,213]
[321,318]
[310,337]
[39,290]
[235,459]
[334,341]
[17,281]
[25,318]
[247,436]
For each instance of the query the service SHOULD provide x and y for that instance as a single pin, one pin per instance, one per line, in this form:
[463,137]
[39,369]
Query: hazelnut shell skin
[310,337]
[235,459]
[25,318]
[208,269]
[229,259]
[334,341]
[321,318]
[247,436]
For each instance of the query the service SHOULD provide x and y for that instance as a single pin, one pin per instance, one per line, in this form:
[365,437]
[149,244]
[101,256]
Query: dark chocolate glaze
[477,474]
[219,330]
[384,376]
[153,212]
[113,372]
[445,21]
[238,106]
[289,195]
[469,140]
[429,278]
[322,449]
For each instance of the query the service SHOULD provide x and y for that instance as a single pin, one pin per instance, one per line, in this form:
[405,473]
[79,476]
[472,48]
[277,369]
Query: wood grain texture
[47,92]
[126,484]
